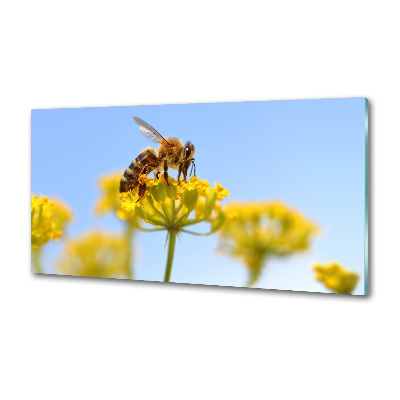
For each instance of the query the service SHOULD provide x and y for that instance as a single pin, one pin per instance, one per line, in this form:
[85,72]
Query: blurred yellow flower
[255,231]
[96,254]
[109,201]
[336,278]
[48,220]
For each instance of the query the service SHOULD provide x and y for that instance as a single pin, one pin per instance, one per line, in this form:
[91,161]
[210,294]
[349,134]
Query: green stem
[179,207]
[36,261]
[167,217]
[173,213]
[171,250]
[150,230]
[156,221]
[192,222]
[254,275]
[197,234]
[158,212]
[184,217]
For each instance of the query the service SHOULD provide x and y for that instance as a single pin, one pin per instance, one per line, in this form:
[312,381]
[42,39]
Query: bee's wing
[149,131]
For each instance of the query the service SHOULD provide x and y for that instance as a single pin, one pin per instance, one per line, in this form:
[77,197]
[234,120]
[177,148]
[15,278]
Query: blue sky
[308,153]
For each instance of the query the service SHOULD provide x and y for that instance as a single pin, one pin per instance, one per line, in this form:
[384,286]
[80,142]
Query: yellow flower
[109,201]
[336,278]
[174,207]
[96,254]
[255,231]
[48,219]
[171,206]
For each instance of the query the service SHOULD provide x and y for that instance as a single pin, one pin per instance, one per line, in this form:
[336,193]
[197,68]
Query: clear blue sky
[308,153]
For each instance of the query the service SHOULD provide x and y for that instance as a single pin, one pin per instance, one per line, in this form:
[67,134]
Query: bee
[171,154]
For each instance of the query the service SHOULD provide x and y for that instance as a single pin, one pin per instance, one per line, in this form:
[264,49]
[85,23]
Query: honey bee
[171,154]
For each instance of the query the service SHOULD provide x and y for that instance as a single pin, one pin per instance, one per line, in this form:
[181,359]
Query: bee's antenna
[193,167]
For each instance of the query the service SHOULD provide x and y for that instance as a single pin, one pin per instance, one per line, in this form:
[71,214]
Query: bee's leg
[179,173]
[142,184]
[158,174]
[184,174]
[166,170]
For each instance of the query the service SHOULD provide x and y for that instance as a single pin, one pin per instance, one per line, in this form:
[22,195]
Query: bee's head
[188,151]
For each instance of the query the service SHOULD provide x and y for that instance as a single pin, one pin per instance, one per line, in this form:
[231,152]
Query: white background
[65,338]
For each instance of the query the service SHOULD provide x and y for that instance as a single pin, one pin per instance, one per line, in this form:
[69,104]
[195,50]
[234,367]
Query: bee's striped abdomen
[130,179]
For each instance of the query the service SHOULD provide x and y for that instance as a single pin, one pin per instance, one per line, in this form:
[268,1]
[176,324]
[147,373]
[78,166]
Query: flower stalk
[171,250]
[254,275]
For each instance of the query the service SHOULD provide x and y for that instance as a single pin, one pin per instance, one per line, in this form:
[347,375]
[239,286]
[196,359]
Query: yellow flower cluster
[336,278]
[109,201]
[48,219]
[170,205]
[96,254]
[254,231]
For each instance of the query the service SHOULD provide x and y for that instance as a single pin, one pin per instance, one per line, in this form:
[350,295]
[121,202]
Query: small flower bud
[159,193]
[149,199]
[171,191]
[210,205]
[190,198]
